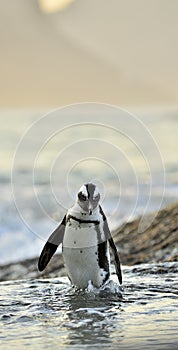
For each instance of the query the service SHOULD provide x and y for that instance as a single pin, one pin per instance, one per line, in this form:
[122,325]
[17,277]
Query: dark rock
[158,243]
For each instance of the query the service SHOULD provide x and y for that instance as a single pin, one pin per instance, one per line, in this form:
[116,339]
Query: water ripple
[50,313]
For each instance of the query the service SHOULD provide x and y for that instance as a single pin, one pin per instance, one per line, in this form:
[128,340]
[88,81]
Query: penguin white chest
[81,255]
[80,235]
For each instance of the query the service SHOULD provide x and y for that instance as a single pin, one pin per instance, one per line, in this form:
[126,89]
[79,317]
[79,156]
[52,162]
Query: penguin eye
[82,197]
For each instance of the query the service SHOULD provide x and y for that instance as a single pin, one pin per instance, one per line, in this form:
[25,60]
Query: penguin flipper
[113,247]
[51,245]
[116,259]
[46,255]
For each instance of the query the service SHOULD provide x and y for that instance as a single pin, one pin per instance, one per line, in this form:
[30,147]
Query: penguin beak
[90,208]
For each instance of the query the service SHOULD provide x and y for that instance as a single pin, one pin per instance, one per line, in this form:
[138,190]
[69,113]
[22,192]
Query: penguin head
[88,198]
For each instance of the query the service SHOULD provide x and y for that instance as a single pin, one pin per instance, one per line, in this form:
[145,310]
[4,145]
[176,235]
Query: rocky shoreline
[158,243]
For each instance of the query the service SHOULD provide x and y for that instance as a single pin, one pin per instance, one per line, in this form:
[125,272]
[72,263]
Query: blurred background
[60,52]
[56,52]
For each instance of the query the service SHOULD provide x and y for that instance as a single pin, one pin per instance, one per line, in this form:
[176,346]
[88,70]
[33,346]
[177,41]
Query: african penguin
[85,238]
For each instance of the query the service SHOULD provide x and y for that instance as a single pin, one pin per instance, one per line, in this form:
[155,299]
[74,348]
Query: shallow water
[48,313]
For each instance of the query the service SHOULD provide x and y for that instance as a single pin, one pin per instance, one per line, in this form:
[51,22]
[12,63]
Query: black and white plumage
[85,238]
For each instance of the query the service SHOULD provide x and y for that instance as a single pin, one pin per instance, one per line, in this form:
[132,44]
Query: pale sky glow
[50,6]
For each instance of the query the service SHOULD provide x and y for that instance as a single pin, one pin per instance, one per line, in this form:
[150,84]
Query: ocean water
[45,158]
[50,314]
